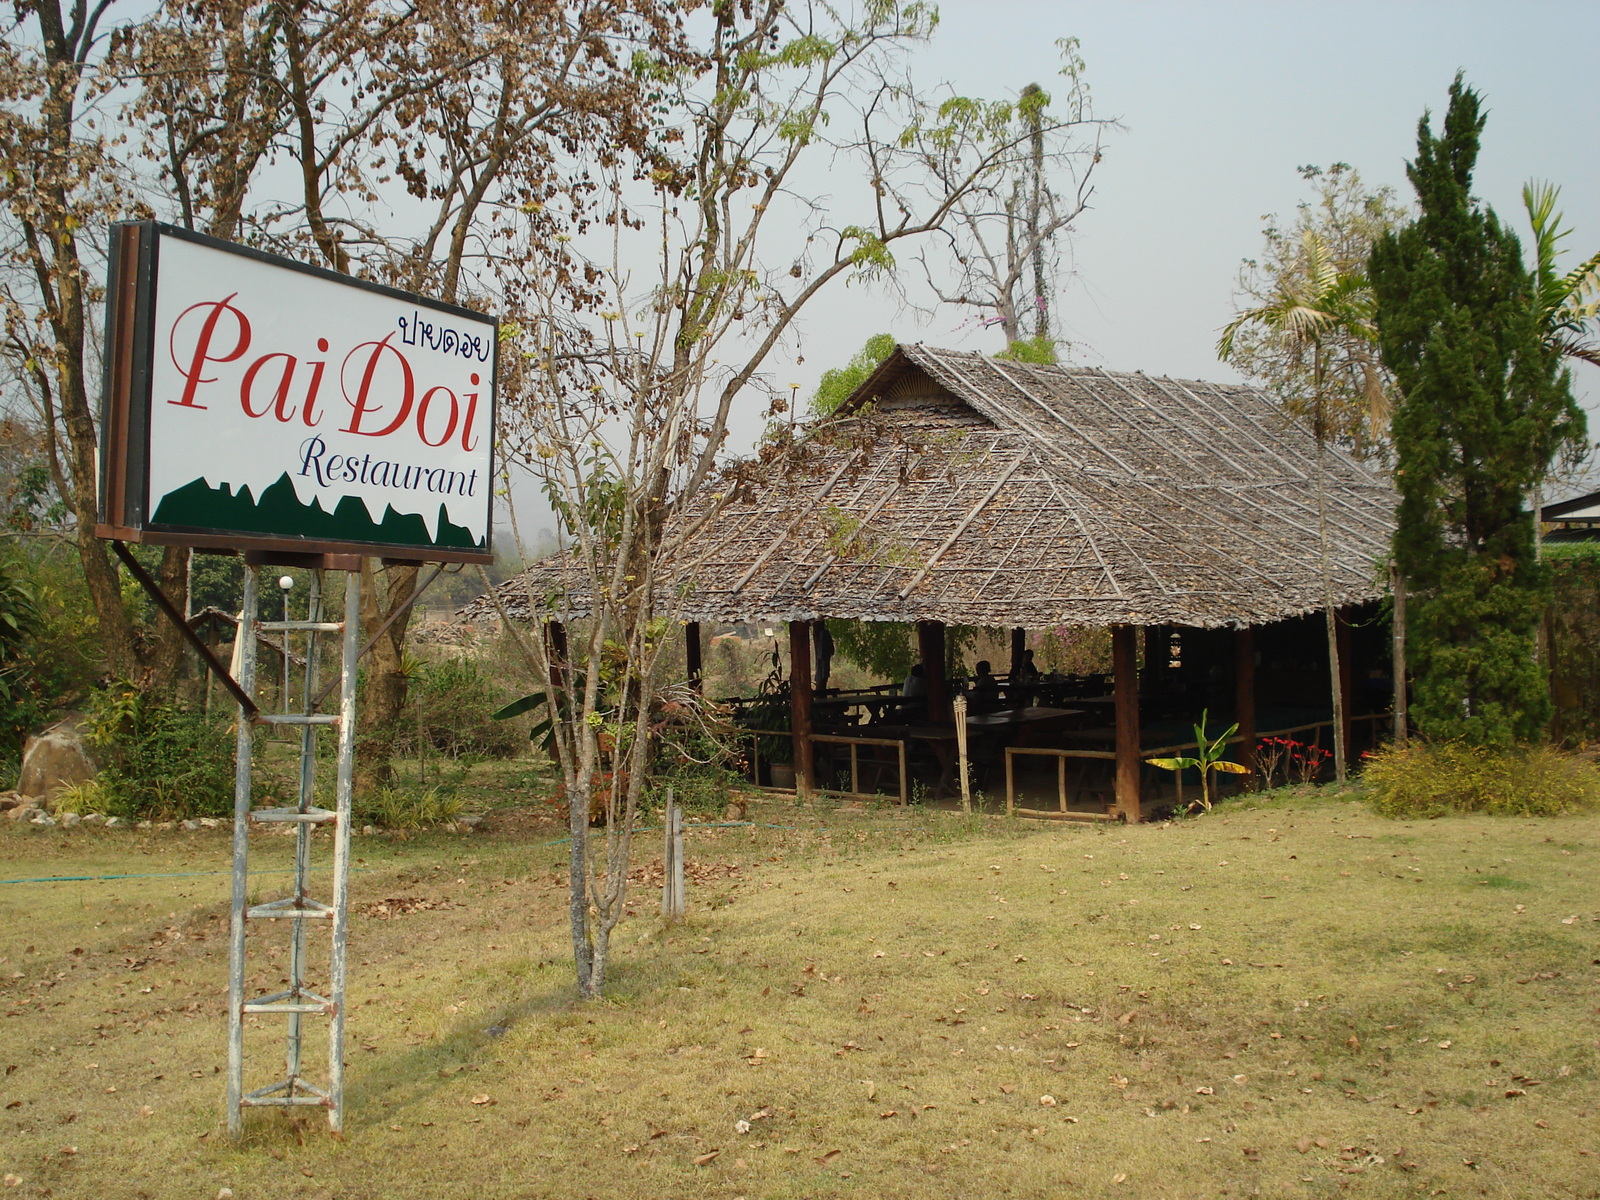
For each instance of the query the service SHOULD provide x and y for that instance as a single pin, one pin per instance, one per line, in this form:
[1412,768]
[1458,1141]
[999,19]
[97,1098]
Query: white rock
[94,818]
[209,822]
[146,824]
[42,818]
[68,820]
[116,823]
[190,825]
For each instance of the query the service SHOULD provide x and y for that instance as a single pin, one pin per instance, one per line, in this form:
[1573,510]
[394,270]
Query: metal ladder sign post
[297,1001]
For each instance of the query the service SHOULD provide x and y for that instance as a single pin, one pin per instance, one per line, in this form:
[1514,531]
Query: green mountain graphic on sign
[279,513]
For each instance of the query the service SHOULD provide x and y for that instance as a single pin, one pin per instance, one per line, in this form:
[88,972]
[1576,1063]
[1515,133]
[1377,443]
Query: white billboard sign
[269,402]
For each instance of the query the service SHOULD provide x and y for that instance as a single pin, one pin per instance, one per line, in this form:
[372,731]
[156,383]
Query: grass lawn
[1292,998]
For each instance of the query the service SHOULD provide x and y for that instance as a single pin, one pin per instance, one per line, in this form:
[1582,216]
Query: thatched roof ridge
[965,489]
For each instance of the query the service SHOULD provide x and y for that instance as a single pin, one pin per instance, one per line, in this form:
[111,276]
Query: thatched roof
[964,489]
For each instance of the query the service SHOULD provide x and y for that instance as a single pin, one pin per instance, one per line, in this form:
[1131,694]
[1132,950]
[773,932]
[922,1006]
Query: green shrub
[1435,779]
[49,647]
[158,760]
[450,711]
[697,753]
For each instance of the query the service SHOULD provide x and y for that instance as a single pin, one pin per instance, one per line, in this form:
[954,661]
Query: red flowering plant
[1281,761]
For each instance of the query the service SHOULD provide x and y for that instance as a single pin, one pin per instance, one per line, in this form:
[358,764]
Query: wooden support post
[555,644]
[930,644]
[1125,662]
[959,706]
[1399,619]
[1244,693]
[691,655]
[1019,645]
[800,704]
[1347,685]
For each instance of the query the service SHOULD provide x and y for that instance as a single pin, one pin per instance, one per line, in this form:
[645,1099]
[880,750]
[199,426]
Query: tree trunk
[168,653]
[1399,633]
[385,669]
[1125,668]
[578,892]
[1334,678]
[1337,692]
[800,705]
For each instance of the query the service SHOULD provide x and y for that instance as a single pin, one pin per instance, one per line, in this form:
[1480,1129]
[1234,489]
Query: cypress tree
[1485,405]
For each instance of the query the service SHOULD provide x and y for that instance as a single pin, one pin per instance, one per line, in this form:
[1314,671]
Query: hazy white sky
[1221,102]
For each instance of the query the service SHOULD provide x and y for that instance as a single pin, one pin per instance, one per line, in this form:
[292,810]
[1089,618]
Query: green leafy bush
[19,619]
[157,759]
[1436,779]
[49,648]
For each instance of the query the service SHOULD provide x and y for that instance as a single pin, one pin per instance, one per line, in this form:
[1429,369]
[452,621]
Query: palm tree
[1568,304]
[1308,310]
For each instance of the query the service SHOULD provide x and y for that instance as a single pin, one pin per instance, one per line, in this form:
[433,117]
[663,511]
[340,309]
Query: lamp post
[286,585]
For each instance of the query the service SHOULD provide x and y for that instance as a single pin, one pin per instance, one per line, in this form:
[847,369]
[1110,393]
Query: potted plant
[768,717]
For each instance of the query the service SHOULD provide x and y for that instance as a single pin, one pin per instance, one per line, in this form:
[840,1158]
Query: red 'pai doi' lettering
[382,400]
[422,416]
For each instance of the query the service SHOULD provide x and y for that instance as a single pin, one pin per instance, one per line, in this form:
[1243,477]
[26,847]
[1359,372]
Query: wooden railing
[1315,728]
[1061,757]
[855,744]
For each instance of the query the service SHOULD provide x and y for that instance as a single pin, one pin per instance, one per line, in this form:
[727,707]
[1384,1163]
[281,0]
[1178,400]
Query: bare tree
[622,418]
[1336,382]
[1000,253]
[61,184]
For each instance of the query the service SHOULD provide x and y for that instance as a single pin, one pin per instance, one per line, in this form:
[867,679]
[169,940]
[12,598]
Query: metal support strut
[296,1001]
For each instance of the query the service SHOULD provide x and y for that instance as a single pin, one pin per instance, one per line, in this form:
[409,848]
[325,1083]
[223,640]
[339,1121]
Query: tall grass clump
[1439,778]
[406,808]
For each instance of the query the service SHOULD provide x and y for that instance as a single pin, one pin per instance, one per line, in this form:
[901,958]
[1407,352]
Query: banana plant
[543,733]
[1206,759]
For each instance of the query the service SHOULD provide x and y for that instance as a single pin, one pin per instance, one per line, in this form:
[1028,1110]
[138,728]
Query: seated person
[1024,681]
[916,683]
[985,689]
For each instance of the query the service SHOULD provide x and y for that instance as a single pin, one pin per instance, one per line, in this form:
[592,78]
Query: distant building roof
[1576,520]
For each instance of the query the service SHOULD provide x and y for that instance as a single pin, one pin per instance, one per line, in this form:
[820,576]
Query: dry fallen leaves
[706,1159]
